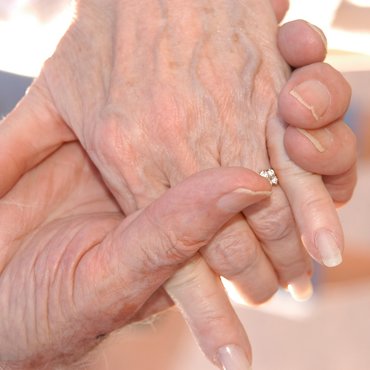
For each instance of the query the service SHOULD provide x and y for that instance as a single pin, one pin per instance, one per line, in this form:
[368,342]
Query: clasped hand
[100,215]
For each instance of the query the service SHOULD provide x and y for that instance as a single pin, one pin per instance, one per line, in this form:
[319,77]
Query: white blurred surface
[346,24]
[26,41]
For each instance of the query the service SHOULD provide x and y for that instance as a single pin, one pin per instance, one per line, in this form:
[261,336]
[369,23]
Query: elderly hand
[74,268]
[25,148]
[160,93]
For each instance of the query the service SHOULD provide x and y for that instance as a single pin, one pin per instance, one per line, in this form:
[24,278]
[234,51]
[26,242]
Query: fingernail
[314,96]
[327,246]
[322,35]
[320,139]
[232,357]
[301,288]
[240,199]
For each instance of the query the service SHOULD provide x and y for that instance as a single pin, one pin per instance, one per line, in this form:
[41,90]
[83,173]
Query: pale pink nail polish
[327,246]
[301,288]
[232,357]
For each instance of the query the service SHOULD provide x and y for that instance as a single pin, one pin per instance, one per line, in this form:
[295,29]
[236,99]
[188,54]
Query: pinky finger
[200,295]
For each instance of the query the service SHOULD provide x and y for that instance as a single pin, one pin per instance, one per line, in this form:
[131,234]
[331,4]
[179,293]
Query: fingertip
[329,248]
[316,216]
[232,357]
[280,8]
[301,288]
[199,293]
[314,96]
[301,43]
[341,187]
[327,151]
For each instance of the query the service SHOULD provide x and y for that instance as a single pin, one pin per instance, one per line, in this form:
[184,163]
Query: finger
[158,302]
[314,96]
[200,295]
[274,225]
[280,8]
[135,260]
[30,133]
[236,254]
[327,151]
[274,229]
[312,206]
[341,187]
[321,231]
[330,151]
[301,43]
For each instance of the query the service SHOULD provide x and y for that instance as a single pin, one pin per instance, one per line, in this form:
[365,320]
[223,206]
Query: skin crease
[73,276]
[142,146]
[66,209]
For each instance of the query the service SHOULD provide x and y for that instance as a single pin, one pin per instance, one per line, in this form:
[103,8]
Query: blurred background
[329,332]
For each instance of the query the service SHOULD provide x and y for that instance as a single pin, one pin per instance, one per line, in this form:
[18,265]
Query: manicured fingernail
[301,288]
[240,199]
[322,35]
[314,96]
[232,357]
[327,246]
[320,139]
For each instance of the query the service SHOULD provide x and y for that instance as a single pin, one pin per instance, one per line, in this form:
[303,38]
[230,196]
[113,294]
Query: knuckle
[232,253]
[174,246]
[291,267]
[104,139]
[274,223]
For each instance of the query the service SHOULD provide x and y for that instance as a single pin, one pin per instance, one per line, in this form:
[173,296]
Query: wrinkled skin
[139,162]
[150,113]
[165,90]
[74,268]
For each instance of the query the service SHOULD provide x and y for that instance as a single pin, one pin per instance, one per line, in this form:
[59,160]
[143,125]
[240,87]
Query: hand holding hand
[150,120]
[74,268]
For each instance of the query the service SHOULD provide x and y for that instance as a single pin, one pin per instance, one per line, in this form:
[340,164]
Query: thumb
[31,132]
[146,249]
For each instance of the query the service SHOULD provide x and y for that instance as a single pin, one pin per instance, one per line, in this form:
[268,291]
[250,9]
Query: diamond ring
[270,175]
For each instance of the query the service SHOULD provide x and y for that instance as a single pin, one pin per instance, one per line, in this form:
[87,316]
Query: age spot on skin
[208,10]
[235,38]
[173,65]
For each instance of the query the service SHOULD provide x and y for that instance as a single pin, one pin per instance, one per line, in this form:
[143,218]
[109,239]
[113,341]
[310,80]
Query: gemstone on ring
[270,175]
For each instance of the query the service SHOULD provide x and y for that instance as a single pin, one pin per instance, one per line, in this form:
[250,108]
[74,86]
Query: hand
[160,303]
[74,268]
[47,109]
